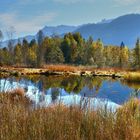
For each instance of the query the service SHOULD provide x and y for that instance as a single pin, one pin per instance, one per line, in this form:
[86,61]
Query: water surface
[69,90]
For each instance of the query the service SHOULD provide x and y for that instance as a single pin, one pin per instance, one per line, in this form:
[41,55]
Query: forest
[71,49]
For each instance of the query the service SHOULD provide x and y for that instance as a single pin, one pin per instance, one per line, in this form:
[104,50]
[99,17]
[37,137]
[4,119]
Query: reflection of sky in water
[110,93]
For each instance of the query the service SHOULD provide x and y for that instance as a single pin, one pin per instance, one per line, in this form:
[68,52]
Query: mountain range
[125,28]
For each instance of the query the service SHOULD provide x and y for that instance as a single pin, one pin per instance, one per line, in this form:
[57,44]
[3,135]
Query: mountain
[113,31]
[58,30]
[125,28]
[47,31]
[105,21]
[29,38]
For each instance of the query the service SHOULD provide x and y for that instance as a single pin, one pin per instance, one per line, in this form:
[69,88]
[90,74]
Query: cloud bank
[25,25]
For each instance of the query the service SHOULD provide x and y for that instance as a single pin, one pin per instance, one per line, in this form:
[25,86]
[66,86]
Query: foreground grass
[20,122]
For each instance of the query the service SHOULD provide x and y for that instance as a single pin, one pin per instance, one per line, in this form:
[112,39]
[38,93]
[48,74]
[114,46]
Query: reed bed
[132,76]
[62,68]
[20,122]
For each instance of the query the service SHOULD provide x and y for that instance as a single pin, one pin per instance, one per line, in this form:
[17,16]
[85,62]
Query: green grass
[20,122]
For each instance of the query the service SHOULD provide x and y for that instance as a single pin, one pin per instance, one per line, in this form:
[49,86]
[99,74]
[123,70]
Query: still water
[69,90]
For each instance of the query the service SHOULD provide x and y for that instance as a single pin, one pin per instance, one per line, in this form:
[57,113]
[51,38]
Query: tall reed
[20,122]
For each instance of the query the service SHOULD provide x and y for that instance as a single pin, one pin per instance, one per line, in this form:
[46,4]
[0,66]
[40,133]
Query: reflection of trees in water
[69,83]
[52,81]
[54,94]
[40,86]
[133,85]
[84,103]
[94,82]
[73,84]
[41,97]
[7,84]
[76,84]
[136,93]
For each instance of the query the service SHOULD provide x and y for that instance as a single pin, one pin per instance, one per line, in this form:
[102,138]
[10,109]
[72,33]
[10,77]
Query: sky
[28,16]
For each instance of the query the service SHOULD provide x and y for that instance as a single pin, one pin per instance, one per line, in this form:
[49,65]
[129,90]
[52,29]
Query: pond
[71,90]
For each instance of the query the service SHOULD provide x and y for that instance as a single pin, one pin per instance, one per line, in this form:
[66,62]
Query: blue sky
[28,16]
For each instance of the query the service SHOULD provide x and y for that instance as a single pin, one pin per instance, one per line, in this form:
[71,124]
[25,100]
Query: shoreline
[68,70]
[62,70]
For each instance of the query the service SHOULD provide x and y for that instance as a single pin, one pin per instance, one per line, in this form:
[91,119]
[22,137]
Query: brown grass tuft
[16,96]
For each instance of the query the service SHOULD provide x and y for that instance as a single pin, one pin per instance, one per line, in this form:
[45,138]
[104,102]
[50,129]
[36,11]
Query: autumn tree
[78,48]
[88,52]
[112,57]
[5,57]
[98,49]
[32,54]
[18,59]
[25,46]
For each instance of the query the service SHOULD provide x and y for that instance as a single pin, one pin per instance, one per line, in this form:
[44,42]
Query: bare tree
[10,34]
[40,37]
[1,37]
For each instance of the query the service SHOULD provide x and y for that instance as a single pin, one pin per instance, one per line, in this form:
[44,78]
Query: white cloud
[72,1]
[126,2]
[25,25]
[22,2]
[67,1]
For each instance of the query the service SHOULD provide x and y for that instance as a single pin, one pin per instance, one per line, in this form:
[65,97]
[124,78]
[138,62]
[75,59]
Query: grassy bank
[19,122]
[126,74]
[61,70]
[132,76]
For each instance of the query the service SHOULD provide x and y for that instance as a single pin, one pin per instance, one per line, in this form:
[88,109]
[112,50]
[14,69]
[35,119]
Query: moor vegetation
[19,121]
[70,49]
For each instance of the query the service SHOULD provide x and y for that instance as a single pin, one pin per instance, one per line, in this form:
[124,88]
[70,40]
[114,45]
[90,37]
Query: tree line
[70,49]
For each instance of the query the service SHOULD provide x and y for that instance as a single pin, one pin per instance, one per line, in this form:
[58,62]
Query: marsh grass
[58,122]
[132,76]
[63,68]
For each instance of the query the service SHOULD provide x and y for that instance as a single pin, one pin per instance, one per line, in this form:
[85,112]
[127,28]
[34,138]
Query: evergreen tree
[54,56]
[53,52]
[25,46]
[66,47]
[40,51]
[137,54]
[124,55]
